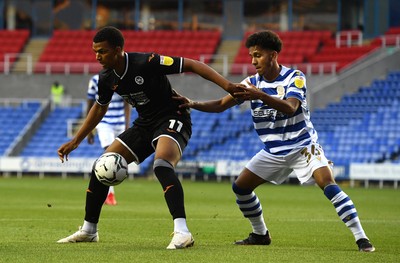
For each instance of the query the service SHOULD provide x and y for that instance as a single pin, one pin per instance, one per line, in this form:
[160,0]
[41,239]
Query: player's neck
[120,65]
[272,74]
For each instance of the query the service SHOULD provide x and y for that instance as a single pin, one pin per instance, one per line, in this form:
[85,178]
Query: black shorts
[142,140]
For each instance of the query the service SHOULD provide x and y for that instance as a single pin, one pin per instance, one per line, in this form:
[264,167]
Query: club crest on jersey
[166,61]
[299,82]
[139,80]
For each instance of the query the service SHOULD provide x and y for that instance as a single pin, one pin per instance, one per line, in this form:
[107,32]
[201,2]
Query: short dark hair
[110,34]
[266,40]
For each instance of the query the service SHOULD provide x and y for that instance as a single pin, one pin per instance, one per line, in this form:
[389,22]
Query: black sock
[96,194]
[173,191]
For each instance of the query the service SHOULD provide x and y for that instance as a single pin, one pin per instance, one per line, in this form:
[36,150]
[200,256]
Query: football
[111,168]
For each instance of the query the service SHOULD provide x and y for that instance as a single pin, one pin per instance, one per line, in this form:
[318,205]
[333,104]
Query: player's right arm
[94,116]
[208,73]
[219,105]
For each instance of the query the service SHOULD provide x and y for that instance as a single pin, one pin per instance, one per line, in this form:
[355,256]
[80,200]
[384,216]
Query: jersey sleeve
[165,65]
[105,87]
[92,88]
[297,86]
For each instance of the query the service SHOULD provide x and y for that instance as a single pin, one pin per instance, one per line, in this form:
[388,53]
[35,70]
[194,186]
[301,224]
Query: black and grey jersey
[144,85]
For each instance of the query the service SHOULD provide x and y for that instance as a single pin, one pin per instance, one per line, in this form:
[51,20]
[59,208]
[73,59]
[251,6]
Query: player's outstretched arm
[94,116]
[208,73]
[219,105]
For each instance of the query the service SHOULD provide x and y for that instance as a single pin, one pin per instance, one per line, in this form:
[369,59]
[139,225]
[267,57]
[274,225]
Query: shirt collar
[126,67]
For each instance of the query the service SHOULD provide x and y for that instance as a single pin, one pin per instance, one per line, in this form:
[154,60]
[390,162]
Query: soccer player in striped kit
[277,96]
[115,121]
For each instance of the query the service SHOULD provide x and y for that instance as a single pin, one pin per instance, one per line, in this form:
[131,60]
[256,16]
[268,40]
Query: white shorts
[107,133]
[276,169]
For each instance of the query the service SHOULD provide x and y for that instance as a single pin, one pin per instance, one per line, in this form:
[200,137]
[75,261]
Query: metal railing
[20,56]
[390,40]
[219,62]
[349,38]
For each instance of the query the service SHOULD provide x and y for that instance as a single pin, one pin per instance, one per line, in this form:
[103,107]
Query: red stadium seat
[297,47]
[75,46]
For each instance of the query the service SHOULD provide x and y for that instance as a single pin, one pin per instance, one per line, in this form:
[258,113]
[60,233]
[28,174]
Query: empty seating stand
[12,43]
[313,52]
[53,132]
[342,56]
[298,46]
[191,44]
[389,39]
[363,127]
[13,120]
[70,51]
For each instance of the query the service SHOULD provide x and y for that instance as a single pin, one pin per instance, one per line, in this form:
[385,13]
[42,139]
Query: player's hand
[90,138]
[185,102]
[249,92]
[65,149]
[235,87]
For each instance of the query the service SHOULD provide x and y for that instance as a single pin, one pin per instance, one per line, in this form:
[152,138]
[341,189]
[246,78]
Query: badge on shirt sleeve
[166,61]
[299,82]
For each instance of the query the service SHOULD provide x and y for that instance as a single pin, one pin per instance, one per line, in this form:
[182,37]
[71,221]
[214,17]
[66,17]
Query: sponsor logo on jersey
[139,80]
[265,113]
[280,90]
[150,57]
[166,61]
[136,99]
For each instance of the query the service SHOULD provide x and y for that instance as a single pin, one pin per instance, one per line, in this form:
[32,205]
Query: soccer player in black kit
[161,127]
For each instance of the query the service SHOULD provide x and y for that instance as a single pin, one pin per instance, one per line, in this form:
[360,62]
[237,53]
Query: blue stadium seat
[369,122]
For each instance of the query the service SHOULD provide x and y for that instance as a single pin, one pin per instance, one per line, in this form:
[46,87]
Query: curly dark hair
[110,34]
[266,40]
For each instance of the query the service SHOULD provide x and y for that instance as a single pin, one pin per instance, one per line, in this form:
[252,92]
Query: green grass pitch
[35,213]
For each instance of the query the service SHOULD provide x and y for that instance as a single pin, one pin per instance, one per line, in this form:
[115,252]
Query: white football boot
[181,240]
[80,236]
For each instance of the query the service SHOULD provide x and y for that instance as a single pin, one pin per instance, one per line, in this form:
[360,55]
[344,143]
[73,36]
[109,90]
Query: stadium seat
[389,39]
[12,42]
[298,47]
[71,50]
[366,129]
[14,119]
[53,132]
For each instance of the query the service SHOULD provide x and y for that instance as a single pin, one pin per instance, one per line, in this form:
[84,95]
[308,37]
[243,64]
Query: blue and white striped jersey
[115,114]
[280,133]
